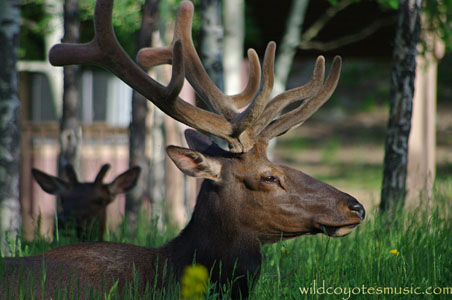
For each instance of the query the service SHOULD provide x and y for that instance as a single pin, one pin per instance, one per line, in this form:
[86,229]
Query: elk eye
[270,179]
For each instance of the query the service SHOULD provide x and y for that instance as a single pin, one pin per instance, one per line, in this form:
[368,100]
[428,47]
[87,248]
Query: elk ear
[202,143]
[125,181]
[50,184]
[195,164]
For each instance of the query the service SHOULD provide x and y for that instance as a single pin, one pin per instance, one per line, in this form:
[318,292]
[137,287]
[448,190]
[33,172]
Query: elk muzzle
[351,212]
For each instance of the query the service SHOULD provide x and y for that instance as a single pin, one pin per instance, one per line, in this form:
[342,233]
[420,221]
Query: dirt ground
[347,150]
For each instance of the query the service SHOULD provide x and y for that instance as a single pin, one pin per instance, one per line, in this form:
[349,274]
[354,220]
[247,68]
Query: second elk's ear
[125,181]
[50,184]
[193,163]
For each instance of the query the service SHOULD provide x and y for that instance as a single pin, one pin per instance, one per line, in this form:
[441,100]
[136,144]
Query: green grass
[357,262]
[363,260]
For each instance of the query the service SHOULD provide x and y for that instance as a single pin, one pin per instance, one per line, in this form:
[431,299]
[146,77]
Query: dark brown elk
[245,200]
[84,204]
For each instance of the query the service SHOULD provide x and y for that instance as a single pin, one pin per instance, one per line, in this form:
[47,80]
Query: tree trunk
[166,183]
[422,142]
[286,53]
[10,219]
[234,29]
[175,211]
[212,41]
[138,130]
[289,44]
[70,130]
[212,49]
[402,92]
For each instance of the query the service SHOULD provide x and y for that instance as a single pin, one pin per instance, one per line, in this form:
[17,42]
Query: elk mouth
[336,230]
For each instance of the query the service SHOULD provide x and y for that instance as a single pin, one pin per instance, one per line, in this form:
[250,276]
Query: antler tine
[196,74]
[101,175]
[299,115]
[253,112]
[239,121]
[105,51]
[279,102]
[243,99]
[151,57]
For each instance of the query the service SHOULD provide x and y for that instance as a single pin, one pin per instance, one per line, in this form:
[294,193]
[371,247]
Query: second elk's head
[84,204]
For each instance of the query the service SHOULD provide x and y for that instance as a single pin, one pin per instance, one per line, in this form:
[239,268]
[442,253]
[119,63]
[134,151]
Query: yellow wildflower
[394,251]
[194,282]
[284,251]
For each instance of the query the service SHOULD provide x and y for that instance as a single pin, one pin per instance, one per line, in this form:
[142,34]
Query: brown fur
[234,215]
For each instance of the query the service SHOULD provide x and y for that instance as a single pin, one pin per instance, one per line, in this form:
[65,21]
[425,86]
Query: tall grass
[393,256]
[384,258]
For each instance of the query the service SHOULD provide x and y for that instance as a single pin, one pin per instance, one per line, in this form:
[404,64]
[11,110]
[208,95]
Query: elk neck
[212,237]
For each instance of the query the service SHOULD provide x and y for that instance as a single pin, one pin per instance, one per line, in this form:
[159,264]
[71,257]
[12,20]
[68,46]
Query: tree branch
[318,25]
[348,39]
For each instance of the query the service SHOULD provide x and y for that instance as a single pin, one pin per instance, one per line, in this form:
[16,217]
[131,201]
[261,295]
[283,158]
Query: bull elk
[84,204]
[245,200]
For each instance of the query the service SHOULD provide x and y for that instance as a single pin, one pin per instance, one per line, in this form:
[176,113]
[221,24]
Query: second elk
[84,204]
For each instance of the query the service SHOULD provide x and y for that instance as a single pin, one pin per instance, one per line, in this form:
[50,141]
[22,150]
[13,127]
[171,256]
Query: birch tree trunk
[212,41]
[402,91]
[175,211]
[289,45]
[286,53]
[10,219]
[139,125]
[166,181]
[422,142]
[234,35]
[70,129]
[212,49]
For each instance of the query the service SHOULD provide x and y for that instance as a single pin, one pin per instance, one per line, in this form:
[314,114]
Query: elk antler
[300,114]
[101,175]
[105,51]
[240,129]
[249,125]
[195,72]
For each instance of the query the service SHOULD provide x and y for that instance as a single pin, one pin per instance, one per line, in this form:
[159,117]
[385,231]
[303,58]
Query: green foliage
[126,13]
[126,21]
[439,18]
[34,26]
[389,4]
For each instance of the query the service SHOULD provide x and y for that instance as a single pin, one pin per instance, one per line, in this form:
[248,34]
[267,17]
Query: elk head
[265,199]
[85,203]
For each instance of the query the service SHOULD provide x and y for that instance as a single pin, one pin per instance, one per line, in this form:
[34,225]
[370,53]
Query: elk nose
[356,208]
